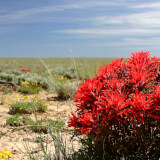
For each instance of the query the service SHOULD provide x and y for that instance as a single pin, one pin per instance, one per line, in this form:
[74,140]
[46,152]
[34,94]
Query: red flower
[25,70]
[85,123]
[120,91]
[111,104]
[139,70]
[138,105]
[87,94]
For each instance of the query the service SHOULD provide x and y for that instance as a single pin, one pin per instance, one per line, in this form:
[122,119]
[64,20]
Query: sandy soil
[16,141]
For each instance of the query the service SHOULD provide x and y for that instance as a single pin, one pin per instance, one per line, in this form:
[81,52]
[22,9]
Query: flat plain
[87,66]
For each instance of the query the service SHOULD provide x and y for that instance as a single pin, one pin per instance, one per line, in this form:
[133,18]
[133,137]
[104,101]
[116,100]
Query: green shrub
[39,107]
[43,126]
[62,71]
[27,107]
[6,76]
[31,77]
[27,89]
[18,120]
[13,71]
[17,77]
[7,92]
[65,90]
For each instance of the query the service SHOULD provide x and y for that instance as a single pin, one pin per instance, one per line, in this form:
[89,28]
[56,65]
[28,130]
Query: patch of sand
[16,141]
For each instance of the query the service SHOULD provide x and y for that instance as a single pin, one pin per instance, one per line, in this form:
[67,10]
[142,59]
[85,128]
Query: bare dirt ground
[16,141]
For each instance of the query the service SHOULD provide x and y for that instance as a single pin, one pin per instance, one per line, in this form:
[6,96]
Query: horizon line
[55,57]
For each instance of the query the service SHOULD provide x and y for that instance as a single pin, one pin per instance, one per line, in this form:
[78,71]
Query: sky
[82,28]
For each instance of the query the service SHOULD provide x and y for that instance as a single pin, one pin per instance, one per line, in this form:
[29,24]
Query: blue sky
[90,28]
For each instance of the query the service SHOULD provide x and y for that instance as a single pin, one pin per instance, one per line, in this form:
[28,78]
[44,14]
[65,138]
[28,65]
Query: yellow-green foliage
[65,90]
[18,120]
[46,125]
[25,83]
[27,107]
[26,98]
[29,87]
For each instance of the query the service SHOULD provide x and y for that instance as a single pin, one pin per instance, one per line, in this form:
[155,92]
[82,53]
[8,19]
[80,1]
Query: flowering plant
[121,107]
[25,69]
[4,154]
[26,83]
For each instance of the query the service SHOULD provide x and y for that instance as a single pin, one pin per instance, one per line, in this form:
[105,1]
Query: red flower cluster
[121,91]
[25,69]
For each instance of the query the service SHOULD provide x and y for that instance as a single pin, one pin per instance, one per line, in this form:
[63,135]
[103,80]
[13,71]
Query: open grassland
[85,66]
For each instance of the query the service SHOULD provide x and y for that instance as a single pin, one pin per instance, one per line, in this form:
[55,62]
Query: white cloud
[115,32]
[21,14]
[144,19]
[147,18]
[28,13]
[89,4]
[152,5]
[138,16]
[152,42]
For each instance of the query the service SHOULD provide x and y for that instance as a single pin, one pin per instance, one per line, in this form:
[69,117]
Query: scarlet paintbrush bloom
[85,123]
[25,70]
[113,70]
[120,92]
[140,70]
[110,105]
[88,93]
[138,105]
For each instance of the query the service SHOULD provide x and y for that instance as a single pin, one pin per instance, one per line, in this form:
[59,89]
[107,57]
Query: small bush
[13,71]
[32,78]
[6,76]
[7,92]
[27,107]
[29,89]
[18,120]
[43,126]
[67,72]
[39,107]
[64,90]
[17,77]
